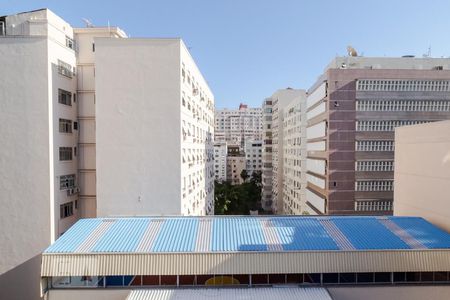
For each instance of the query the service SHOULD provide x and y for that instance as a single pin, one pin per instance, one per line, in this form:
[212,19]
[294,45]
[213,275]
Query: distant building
[352,112]
[116,258]
[237,126]
[422,172]
[235,164]
[253,156]
[267,166]
[220,161]
[294,157]
[280,100]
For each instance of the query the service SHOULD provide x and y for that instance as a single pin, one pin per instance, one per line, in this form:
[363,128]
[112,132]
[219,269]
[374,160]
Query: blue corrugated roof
[265,233]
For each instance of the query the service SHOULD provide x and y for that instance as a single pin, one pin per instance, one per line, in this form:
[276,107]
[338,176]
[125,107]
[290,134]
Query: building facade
[294,153]
[152,150]
[253,156]
[422,187]
[352,111]
[235,164]
[237,126]
[266,176]
[38,158]
[220,161]
[280,100]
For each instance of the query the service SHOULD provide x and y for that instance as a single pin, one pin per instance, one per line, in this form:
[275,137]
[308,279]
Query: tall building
[280,99]
[39,131]
[294,153]
[237,126]
[220,161]
[253,156]
[266,176]
[154,129]
[422,172]
[94,124]
[352,111]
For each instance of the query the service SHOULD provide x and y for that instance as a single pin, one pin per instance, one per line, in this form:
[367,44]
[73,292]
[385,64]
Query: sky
[247,49]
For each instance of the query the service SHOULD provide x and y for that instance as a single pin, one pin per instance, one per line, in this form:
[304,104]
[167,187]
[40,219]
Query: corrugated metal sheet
[262,234]
[245,262]
[286,293]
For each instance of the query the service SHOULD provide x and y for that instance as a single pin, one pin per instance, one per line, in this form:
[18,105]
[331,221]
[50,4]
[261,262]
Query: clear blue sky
[247,49]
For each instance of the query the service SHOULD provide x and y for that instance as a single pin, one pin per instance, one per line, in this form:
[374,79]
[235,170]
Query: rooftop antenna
[351,51]
[88,23]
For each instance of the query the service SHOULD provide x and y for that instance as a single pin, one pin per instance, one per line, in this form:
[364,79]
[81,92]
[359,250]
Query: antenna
[88,23]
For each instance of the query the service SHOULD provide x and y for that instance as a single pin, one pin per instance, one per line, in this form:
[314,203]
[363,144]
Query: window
[64,97]
[373,205]
[375,186]
[66,210]
[384,125]
[403,105]
[375,165]
[75,125]
[70,43]
[65,153]
[66,182]
[403,85]
[65,126]
[374,145]
[65,69]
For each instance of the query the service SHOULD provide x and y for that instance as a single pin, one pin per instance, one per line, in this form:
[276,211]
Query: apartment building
[235,164]
[220,161]
[155,129]
[253,156]
[266,175]
[294,157]
[422,187]
[237,126]
[280,99]
[352,111]
[56,82]
[39,153]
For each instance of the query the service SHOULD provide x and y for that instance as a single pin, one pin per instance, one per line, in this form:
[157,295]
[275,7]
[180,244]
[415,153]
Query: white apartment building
[238,125]
[64,92]
[280,99]
[220,161]
[266,176]
[154,129]
[38,157]
[294,157]
[253,156]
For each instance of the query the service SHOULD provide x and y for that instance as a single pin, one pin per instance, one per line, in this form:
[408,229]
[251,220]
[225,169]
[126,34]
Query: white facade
[84,38]
[220,161]
[38,157]
[267,167]
[253,156]
[294,152]
[238,125]
[280,100]
[154,129]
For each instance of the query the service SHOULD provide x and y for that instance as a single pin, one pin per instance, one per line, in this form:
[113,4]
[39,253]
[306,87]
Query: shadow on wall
[22,282]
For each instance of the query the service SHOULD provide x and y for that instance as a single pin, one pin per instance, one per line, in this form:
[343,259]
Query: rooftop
[249,234]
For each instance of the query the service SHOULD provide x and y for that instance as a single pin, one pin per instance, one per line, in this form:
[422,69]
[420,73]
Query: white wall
[422,172]
[137,126]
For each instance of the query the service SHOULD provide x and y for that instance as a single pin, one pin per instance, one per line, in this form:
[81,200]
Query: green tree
[244,175]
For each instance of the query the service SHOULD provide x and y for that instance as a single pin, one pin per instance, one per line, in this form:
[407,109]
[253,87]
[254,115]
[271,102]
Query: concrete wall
[422,172]
[138,146]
